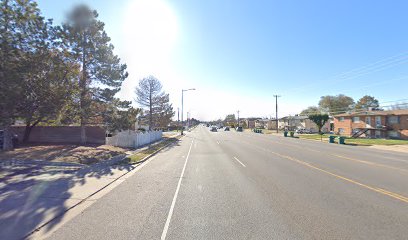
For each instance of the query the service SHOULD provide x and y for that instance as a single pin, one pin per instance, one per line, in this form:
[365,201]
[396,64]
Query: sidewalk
[31,196]
[32,193]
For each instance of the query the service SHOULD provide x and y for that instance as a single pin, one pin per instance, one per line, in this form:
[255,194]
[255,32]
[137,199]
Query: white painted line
[166,226]
[239,162]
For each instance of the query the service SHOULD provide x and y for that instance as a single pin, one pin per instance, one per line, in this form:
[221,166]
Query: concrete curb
[100,189]
[154,153]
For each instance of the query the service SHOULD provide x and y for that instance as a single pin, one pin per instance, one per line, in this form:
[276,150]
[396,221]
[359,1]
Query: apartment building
[373,124]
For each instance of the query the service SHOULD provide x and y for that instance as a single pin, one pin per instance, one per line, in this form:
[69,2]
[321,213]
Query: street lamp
[182,106]
[276,105]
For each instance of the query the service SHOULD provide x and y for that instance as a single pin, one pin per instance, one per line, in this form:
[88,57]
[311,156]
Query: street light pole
[182,106]
[238,117]
[276,105]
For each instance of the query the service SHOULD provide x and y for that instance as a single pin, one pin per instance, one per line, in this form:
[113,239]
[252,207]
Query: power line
[364,70]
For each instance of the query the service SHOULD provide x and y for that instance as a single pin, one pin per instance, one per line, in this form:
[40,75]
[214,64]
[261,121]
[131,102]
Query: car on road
[213,129]
[226,129]
[239,129]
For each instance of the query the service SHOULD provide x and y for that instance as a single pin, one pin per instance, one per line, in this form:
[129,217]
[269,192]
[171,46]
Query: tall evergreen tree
[102,73]
[19,37]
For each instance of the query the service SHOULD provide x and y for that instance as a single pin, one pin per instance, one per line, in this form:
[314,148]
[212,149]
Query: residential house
[271,124]
[302,122]
[373,124]
[250,122]
[261,123]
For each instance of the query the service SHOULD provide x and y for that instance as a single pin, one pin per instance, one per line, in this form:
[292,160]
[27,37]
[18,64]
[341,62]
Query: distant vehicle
[303,131]
[213,129]
[226,129]
[239,129]
[14,139]
[208,125]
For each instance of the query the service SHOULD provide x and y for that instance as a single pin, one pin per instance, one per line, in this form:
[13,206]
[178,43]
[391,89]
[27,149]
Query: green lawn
[356,141]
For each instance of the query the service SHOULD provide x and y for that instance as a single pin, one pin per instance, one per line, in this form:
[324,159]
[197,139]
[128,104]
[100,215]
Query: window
[341,119]
[392,119]
[377,134]
[356,119]
[368,120]
[393,134]
[341,130]
[378,121]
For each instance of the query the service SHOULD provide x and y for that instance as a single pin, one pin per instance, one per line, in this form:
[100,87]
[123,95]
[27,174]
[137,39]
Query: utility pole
[238,117]
[188,120]
[182,106]
[276,105]
[178,118]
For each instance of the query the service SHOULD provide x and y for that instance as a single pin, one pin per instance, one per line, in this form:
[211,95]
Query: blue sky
[239,53]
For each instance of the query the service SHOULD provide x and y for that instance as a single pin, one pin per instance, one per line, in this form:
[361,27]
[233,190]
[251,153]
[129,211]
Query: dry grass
[141,155]
[63,153]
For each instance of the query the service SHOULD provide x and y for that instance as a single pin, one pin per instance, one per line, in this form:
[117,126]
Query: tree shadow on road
[29,201]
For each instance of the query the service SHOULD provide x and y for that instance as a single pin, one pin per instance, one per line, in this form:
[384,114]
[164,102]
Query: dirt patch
[63,153]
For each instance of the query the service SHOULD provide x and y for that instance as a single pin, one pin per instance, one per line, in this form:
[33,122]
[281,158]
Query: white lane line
[239,161]
[166,226]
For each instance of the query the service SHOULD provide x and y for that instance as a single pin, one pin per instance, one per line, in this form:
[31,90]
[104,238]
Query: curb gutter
[117,159]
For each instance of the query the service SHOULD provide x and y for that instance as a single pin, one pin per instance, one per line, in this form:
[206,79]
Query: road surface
[230,185]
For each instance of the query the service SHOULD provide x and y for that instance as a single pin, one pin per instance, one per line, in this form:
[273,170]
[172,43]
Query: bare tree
[149,95]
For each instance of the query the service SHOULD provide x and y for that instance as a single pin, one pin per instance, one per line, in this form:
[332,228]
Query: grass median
[356,141]
[141,155]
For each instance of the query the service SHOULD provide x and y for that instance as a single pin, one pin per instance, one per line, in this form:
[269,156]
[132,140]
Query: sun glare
[150,31]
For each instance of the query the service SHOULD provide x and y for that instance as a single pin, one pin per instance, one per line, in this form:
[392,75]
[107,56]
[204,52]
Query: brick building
[373,124]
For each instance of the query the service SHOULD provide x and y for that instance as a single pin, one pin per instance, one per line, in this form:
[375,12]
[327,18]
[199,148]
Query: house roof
[376,113]
[295,117]
[253,118]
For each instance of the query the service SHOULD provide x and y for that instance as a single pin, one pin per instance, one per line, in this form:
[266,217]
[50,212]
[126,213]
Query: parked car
[14,139]
[213,129]
[303,131]
[226,129]
[239,129]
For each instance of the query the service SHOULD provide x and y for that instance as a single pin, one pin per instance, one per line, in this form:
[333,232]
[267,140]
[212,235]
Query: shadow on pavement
[31,197]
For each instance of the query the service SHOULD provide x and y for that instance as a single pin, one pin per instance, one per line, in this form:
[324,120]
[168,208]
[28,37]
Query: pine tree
[19,22]
[102,73]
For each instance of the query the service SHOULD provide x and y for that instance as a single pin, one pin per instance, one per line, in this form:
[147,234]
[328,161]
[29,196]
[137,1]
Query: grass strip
[357,141]
[141,155]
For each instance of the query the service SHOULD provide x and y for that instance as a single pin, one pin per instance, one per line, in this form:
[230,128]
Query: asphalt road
[229,185]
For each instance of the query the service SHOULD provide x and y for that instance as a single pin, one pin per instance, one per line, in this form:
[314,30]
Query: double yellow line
[375,189]
[347,158]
